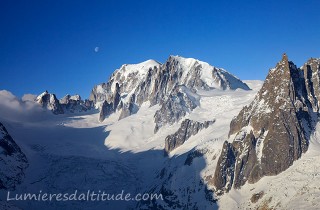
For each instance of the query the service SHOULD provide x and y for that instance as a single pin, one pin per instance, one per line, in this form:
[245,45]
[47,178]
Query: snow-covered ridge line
[153,82]
[207,70]
[141,68]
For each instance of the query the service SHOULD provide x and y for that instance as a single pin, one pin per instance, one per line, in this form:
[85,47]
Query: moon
[96,49]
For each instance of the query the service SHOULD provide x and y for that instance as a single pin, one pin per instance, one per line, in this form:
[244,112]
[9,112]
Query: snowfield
[75,151]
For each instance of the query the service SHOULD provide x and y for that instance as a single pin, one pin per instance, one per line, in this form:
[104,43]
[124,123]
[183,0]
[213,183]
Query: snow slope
[211,75]
[222,105]
[75,151]
[67,154]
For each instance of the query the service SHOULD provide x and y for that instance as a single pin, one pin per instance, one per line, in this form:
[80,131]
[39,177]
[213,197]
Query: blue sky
[49,45]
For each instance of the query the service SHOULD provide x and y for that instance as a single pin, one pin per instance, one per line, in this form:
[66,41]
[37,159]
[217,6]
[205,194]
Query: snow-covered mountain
[50,102]
[64,105]
[190,131]
[132,85]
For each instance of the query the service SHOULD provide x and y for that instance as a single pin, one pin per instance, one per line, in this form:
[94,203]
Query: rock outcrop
[129,108]
[105,110]
[187,129]
[50,102]
[274,130]
[180,102]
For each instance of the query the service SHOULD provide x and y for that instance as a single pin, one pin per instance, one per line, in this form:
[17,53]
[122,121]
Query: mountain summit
[150,81]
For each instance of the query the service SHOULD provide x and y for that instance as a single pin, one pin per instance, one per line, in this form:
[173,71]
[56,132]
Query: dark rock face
[274,130]
[88,104]
[129,108]
[224,174]
[187,129]
[311,71]
[50,102]
[150,81]
[116,98]
[180,102]
[194,154]
[13,161]
[106,110]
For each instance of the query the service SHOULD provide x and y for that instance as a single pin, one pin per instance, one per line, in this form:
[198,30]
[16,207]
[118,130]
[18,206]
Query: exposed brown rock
[274,130]
[255,197]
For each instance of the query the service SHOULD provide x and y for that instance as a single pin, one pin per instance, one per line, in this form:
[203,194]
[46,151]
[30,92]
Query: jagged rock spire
[50,102]
[273,131]
[285,57]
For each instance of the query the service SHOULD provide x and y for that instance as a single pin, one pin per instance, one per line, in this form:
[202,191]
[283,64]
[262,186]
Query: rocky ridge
[50,102]
[274,130]
[187,129]
[67,104]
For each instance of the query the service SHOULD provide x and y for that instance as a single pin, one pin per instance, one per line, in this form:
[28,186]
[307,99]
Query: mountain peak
[49,101]
[280,118]
[145,65]
[285,63]
[284,57]
[213,77]
[41,95]
[139,70]
[284,69]
[152,81]
[185,62]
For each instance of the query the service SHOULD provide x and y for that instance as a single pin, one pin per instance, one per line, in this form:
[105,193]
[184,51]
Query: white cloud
[20,110]
[28,97]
